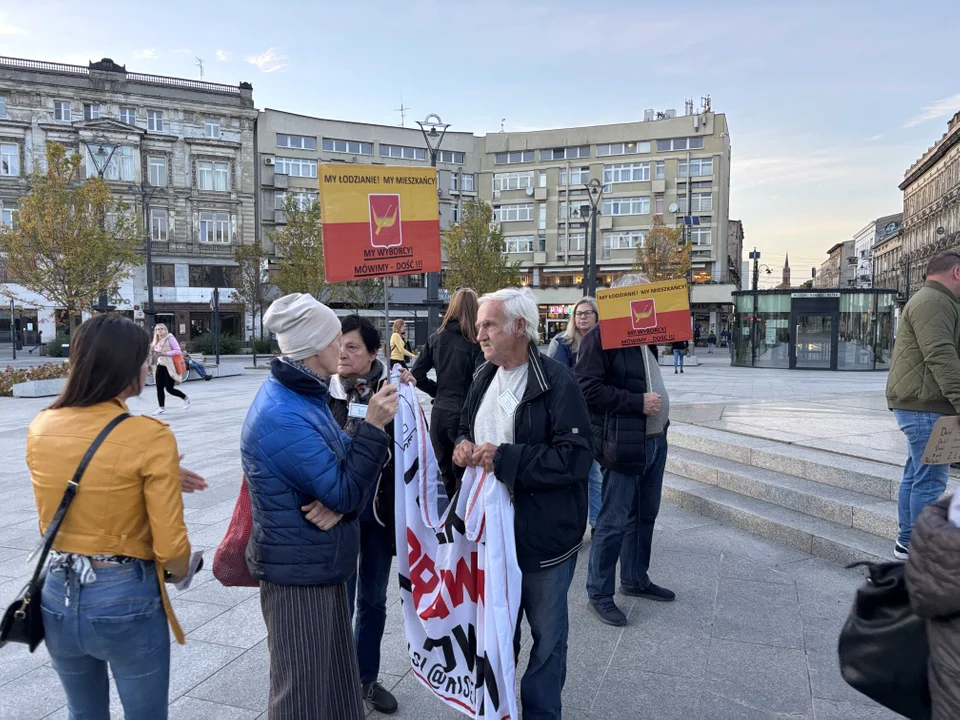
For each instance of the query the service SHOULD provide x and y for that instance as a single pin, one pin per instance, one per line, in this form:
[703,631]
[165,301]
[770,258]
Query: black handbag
[883,645]
[23,621]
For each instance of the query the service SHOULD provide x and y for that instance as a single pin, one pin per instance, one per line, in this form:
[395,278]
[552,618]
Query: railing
[181,82]
[41,65]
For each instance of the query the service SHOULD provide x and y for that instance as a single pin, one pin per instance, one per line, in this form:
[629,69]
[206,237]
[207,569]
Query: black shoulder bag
[23,621]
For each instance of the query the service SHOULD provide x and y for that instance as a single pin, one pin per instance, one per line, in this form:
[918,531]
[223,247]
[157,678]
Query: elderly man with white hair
[525,421]
[629,411]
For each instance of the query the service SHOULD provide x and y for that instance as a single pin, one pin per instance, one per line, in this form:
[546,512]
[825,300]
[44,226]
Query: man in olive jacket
[924,384]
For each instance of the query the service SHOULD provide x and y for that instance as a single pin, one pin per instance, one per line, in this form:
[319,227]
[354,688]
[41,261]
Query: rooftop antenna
[502,121]
[688,106]
[402,110]
[199,64]
[705,104]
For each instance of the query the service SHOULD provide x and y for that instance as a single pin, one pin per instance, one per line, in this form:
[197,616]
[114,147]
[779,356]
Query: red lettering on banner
[467,578]
[423,576]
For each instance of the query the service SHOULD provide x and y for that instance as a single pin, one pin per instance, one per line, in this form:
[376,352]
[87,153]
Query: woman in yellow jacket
[104,599]
[398,345]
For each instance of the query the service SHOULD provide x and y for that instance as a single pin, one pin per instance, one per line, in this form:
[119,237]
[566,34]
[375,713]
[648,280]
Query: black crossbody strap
[69,494]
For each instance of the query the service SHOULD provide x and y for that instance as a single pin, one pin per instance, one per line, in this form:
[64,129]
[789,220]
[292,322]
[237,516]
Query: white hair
[630,279]
[518,303]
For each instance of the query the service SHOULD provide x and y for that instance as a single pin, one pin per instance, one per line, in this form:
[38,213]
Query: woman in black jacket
[454,352]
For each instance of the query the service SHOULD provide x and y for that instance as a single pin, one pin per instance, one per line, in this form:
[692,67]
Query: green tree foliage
[299,251]
[663,256]
[252,281]
[476,252]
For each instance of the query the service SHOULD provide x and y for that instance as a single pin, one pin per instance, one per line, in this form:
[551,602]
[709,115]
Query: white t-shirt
[494,421]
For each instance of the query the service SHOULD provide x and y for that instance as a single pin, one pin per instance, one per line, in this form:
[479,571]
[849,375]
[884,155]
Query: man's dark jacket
[613,383]
[547,466]
[455,359]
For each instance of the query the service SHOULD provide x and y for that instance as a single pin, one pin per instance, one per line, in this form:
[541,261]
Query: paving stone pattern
[752,633]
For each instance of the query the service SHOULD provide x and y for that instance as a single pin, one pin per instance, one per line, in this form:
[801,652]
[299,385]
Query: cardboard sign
[943,447]
[378,221]
[644,314]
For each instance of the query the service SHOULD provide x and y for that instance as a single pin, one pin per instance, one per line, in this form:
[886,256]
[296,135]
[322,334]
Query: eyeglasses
[584,313]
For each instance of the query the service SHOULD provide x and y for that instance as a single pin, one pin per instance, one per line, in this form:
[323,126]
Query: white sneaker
[186,403]
[159,411]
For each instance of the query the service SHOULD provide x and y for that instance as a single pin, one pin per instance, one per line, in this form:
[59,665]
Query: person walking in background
[398,345]
[359,376]
[629,412]
[165,375]
[104,599]
[725,338]
[524,421]
[454,353]
[39,342]
[924,385]
[679,351]
[308,481]
[564,348]
[711,341]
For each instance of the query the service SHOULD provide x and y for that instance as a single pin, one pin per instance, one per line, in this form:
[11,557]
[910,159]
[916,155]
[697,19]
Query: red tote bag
[229,561]
[180,365]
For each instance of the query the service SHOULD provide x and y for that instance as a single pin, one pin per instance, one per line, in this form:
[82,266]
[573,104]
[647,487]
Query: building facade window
[91,111]
[627,206]
[576,242]
[213,176]
[9,160]
[128,115]
[570,153]
[3,106]
[468,181]
[155,120]
[157,171]
[658,204]
[702,202]
[8,217]
[215,227]
[623,240]
[303,200]
[298,142]
[512,213]
[211,129]
[454,213]
[700,235]
[296,167]
[698,168]
[523,244]
[512,181]
[208,276]
[694,143]
[159,225]
[578,176]
[402,152]
[659,170]
[120,166]
[61,110]
[542,178]
[347,146]
[626,172]
[623,148]
[451,157]
[514,158]
[164,275]
[542,216]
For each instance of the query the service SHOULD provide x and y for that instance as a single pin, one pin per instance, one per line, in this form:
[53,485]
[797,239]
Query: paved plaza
[752,633]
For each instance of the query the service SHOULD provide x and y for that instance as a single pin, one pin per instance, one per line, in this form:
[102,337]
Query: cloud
[7,28]
[223,55]
[268,61]
[148,54]
[874,138]
[940,108]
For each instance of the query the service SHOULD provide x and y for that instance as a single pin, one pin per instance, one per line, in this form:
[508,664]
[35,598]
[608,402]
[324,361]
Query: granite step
[815,536]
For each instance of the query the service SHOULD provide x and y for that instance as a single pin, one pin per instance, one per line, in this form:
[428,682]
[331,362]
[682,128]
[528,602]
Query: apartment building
[887,266]
[290,147]
[866,240]
[179,152]
[931,207]
[674,167]
[839,270]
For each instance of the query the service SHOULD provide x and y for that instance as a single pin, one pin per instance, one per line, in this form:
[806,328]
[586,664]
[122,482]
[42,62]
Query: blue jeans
[198,368]
[543,599]
[710,347]
[678,359]
[921,484]
[625,526]
[118,619]
[376,560]
[595,490]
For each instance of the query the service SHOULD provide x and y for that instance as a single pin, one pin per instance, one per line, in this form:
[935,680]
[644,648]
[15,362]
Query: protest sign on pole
[646,314]
[378,221]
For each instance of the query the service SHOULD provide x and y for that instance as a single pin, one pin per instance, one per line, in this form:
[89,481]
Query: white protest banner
[459,577]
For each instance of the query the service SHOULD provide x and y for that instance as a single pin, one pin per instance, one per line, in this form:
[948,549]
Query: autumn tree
[72,240]
[476,252]
[252,281]
[663,254]
[358,294]
[299,251]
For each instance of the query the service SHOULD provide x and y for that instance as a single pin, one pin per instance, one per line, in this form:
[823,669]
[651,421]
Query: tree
[299,251]
[252,280]
[358,294]
[663,256]
[476,252]
[72,241]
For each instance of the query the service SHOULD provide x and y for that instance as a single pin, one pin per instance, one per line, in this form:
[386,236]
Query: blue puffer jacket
[293,453]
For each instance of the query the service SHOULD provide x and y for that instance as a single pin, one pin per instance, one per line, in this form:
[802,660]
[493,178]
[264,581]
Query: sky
[828,103]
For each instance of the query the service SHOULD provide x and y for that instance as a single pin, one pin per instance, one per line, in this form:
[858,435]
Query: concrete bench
[224,369]
[39,388]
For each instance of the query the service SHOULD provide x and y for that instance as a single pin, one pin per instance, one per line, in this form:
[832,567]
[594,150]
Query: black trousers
[165,382]
[444,428]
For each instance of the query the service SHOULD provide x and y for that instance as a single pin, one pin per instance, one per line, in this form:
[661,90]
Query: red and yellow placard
[378,221]
[644,314]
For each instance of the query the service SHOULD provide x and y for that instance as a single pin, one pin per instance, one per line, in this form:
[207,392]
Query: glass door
[814,341]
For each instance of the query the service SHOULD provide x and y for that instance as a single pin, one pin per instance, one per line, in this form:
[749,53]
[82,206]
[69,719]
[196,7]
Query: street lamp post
[595,194]
[146,194]
[101,161]
[433,129]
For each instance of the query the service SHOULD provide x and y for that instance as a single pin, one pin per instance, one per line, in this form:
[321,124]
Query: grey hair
[630,279]
[518,303]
